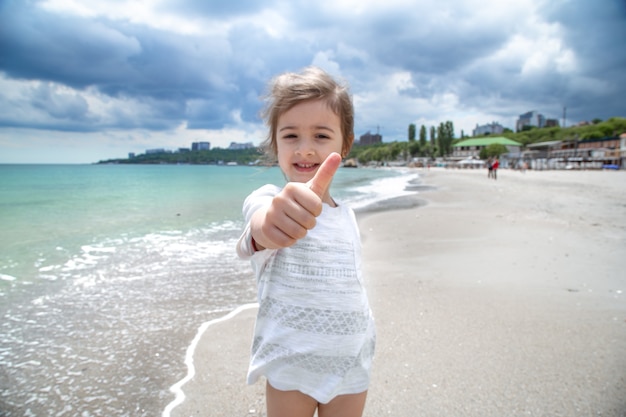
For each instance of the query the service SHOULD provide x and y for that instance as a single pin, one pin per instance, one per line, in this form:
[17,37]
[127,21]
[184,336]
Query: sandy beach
[491,298]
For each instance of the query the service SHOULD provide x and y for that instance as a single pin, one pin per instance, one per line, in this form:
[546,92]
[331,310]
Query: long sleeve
[259,198]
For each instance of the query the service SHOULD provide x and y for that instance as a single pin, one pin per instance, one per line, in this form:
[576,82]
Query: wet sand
[491,298]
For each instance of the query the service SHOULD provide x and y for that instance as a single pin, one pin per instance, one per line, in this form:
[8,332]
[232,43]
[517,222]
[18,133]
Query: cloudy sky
[84,81]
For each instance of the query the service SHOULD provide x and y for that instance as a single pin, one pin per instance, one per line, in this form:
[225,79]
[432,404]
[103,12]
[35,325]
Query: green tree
[596,134]
[399,148]
[449,129]
[433,136]
[382,153]
[366,156]
[493,150]
[422,136]
[415,148]
[445,137]
[605,129]
[441,140]
[427,150]
[411,132]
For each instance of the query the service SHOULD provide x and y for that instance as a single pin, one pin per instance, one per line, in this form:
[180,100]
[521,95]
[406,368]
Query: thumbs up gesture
[320,183]
[293,211]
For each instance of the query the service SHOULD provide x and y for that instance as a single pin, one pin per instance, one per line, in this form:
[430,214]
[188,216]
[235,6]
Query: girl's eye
[322,136]
[290,136]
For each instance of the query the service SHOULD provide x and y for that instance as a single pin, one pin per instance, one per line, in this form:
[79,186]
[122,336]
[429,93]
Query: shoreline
[176,389]
[491,298]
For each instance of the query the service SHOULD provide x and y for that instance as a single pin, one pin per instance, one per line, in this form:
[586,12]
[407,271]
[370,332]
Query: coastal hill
[216,156]
[597,129]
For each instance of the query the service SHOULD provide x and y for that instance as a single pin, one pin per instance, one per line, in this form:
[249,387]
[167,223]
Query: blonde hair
[312,83]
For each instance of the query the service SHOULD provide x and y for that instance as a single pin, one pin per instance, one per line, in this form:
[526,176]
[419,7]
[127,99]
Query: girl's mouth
[305,167]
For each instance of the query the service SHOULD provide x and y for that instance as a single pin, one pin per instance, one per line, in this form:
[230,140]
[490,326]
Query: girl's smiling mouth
[305,167]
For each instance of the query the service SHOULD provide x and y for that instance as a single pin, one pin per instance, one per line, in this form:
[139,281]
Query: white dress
[314,330]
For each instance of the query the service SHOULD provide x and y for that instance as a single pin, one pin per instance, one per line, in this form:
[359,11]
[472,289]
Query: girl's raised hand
[293,211]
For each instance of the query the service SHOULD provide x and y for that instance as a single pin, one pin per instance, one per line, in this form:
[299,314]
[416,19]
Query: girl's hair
[289,89]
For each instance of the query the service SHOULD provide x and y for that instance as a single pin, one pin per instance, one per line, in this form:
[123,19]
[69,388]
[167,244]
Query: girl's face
[305,135]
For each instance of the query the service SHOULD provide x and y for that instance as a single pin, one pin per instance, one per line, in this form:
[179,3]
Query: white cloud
[136,12]
[325,60]
[120,76]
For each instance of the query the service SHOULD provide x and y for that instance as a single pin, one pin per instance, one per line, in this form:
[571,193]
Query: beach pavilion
[470,148]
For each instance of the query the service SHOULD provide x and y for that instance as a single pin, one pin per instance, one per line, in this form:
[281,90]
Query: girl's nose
[305,148]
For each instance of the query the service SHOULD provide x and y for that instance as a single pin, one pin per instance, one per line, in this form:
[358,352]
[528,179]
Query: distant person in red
[494,168]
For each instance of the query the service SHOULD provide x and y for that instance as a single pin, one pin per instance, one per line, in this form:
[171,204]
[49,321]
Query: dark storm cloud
[118,59]
[432,47]
[148,76]
[597,31]
[67,50]
[72,107]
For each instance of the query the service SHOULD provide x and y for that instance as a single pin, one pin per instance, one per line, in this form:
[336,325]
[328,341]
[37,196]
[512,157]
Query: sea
[108,271]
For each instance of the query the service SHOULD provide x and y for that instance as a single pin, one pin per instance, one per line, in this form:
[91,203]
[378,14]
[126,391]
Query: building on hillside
[370,139]
[552,123]
[239,146]
[201,146]
[493,128]
[532,118]
[154,151]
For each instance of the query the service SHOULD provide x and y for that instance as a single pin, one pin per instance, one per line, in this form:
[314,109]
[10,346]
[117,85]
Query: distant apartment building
[552,123]
[488,129]
[370,139]
[532,118]
[201,146]
[153,151]
[239,146]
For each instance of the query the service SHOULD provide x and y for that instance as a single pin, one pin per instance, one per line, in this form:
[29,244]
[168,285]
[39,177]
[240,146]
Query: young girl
[314,334]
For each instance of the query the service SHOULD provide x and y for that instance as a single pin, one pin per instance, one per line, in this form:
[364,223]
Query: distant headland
[584,138]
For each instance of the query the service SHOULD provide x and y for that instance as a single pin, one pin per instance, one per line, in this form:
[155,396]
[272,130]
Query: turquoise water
[107,271]
[49,212]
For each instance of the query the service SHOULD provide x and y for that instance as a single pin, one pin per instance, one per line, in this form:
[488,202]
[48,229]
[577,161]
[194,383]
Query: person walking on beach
[314,336]
[489,168]
[494,168]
